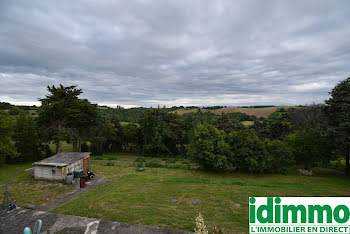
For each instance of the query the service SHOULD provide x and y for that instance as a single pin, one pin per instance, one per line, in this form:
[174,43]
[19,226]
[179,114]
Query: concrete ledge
[18,219]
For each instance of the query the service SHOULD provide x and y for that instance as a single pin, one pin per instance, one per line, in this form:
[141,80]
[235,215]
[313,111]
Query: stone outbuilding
[59,165]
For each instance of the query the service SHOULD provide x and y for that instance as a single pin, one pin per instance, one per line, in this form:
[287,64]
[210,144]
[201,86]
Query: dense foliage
[209,147]
[304,136]
[63,116]
[337,110]
[7,148]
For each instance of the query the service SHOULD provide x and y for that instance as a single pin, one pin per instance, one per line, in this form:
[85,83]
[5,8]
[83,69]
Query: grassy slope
[145,197]
[26,190]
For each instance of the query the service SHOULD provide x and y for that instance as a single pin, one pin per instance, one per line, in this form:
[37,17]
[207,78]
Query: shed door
[86,165]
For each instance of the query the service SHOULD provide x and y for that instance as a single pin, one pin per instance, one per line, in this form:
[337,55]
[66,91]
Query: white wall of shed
[49,173]
[74,166]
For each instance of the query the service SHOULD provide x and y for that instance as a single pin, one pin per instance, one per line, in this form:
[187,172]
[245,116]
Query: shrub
[209,148]
[280,155]
[186,161]
[140,159]
[112,158]
[139,164]
[154,163]
[309,147]
[249,152]
[200,228]
[170,160]
[178,166]
[14,111]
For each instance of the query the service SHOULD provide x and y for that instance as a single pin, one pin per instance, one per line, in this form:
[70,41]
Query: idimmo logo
[299,215]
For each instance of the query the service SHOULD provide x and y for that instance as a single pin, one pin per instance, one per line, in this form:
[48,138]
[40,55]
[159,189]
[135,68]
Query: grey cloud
[146,53]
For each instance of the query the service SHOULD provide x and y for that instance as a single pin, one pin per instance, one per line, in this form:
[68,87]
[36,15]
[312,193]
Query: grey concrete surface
[18,219]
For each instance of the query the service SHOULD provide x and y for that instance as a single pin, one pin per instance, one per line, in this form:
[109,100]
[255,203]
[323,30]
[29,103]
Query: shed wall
[50,173]
[57,173]
[74,166]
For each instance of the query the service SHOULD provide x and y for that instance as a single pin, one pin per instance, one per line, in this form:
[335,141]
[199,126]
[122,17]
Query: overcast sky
[149,53]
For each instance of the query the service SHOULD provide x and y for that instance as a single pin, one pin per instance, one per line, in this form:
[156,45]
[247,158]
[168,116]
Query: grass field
[145,197]
[258,112]
[25,190]
[247,123]
[64,146]
[126,123]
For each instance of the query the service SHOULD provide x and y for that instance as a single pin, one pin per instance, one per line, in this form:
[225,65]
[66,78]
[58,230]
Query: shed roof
[63,159]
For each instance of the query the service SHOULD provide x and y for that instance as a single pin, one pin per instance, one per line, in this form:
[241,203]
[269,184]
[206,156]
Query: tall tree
[113,134]
[304,117]
[337,109]
[63,114]
[152,138]
[132,138]
[7,149]
[26,138]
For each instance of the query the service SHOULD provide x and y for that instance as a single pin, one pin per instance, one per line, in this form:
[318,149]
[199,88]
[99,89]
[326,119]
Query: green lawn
[26,190]
[64,146]
[145,197]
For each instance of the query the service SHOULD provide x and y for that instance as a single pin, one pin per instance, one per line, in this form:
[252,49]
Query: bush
[209,148]
[154,163]
[139,164]
[110,164]
[186,161]
[112,158]
[14,111]
[170,160]
[140,159]
[309,148]
[280,155]
[178,166]
[249,152]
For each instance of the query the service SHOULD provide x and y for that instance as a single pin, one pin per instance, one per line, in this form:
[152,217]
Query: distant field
[126,123]
[258,112]
[247,123]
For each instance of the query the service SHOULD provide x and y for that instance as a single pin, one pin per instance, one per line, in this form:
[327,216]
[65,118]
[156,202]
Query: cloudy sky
[183,52]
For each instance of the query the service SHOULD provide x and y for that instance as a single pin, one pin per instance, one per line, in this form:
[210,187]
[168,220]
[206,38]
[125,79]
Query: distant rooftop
[63,158]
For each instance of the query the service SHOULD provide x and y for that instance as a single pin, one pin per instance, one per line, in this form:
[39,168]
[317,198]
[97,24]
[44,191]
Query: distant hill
[258,112]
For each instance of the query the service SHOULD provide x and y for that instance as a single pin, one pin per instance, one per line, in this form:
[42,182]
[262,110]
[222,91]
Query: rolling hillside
[258,112]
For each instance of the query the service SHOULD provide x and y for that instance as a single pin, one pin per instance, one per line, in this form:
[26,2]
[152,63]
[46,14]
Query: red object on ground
[82,182]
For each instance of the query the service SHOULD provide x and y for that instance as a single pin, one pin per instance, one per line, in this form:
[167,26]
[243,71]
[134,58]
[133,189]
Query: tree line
[309,136]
